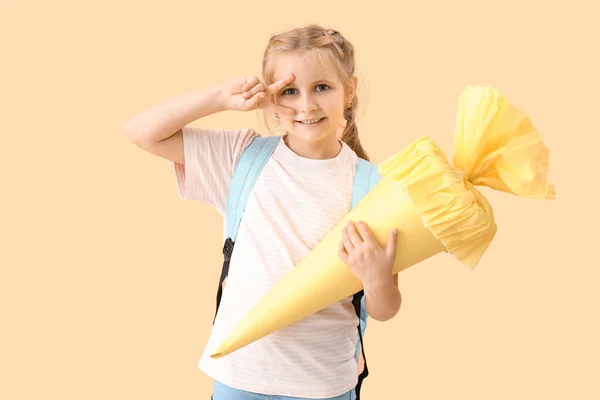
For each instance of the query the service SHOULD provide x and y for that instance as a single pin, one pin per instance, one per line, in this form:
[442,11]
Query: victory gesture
[248,93]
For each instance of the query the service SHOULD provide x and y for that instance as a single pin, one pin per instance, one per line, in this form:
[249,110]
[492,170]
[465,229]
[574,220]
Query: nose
[307,103]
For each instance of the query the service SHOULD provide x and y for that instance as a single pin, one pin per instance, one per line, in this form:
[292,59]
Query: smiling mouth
[309,124]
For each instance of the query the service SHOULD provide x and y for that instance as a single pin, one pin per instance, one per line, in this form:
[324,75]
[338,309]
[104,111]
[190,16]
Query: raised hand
[248,93]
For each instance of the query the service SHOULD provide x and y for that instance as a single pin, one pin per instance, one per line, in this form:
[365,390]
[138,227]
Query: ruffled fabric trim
[495,146]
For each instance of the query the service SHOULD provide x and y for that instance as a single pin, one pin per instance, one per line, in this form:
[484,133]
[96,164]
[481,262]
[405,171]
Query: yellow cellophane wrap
[433,203]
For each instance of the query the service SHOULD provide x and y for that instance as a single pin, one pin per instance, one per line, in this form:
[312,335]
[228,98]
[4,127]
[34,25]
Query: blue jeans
[223,392]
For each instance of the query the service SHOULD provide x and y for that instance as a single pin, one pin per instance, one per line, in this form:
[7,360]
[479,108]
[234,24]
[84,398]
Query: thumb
[277,109]
[391,245]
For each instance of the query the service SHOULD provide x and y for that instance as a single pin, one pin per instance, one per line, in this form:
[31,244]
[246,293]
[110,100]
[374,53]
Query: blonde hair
[328,46]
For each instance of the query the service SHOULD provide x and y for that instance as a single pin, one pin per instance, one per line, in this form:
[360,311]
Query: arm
[158,129]
[383,300]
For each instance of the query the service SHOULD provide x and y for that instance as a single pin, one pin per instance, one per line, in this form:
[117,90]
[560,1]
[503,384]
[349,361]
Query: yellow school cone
[434,205]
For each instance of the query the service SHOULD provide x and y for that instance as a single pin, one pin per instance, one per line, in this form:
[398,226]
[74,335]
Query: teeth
[311,122]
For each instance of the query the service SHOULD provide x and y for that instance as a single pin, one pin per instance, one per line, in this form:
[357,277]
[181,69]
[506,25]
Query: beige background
[108,278]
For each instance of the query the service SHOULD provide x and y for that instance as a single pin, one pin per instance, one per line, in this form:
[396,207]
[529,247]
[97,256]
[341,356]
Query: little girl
[303,191]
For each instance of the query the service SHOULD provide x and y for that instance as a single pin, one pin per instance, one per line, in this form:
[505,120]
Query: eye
[285,92]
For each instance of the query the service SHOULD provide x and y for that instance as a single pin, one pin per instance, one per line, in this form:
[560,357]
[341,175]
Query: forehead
[306,69]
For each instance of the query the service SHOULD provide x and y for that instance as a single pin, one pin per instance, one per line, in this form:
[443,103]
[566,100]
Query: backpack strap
[365,179]
[249,166]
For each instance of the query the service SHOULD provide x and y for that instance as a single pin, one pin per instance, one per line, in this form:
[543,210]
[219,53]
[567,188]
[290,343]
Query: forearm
[164,119]
[382,300]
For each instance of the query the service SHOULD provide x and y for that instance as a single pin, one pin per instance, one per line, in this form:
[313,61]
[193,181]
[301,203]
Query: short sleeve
[210,156]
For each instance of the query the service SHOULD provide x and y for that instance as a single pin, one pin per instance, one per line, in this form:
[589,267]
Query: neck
[322,149]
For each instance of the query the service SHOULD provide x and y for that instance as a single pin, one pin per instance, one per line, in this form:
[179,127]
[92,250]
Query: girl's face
[315,94]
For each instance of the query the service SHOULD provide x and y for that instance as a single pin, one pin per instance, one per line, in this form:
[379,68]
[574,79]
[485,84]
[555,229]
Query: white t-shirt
[294,204]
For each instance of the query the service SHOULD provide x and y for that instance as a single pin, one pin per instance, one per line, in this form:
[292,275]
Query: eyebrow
[317,81]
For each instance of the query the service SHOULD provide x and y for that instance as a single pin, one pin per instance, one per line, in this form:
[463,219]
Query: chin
[310,134]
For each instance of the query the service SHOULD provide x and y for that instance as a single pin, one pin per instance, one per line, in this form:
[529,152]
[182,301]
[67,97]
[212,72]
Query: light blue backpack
[247,170]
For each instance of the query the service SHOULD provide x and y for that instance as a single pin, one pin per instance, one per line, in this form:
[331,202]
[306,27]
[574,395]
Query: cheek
[285,102]
[287,122]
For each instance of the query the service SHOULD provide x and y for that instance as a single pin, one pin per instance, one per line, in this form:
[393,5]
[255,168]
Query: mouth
[318,122]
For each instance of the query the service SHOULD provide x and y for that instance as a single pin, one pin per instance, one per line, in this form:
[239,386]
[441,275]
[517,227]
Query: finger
[260,87]
[354,235]
[256,100]
[365,232]
[346,240]
[280,84]
[342,253]
[277,109]
[251,80]
[392,242]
